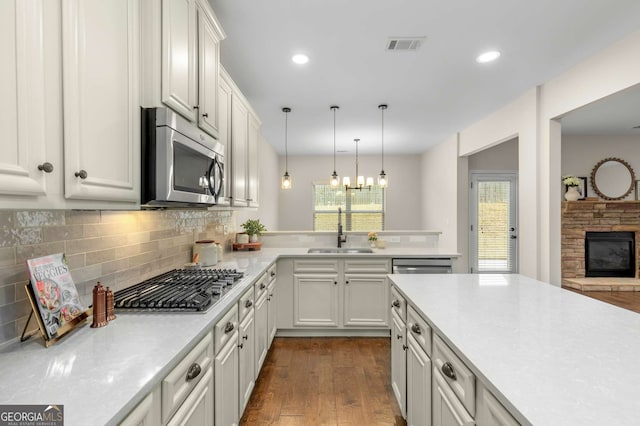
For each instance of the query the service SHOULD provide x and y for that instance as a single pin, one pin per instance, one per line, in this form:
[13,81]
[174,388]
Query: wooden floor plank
[325,381]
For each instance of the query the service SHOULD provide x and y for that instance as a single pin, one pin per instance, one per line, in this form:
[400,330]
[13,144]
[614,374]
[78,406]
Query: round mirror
[612,179]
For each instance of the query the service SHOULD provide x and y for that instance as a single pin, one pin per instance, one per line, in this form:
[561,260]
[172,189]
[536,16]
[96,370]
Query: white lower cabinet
[246,354]
[341,294]
[146,413]
[197,409]
[418,384]
[489,411]
[262,332]
[399,362]
[447,409]
[271,312]
[226,371]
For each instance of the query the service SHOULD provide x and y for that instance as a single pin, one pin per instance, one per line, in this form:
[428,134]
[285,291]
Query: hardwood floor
[624,299]
[325,381]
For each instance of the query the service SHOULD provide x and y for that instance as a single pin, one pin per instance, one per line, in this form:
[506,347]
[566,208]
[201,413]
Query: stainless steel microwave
[182,166]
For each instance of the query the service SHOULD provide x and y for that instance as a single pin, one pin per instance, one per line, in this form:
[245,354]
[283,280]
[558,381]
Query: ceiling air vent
[404,43]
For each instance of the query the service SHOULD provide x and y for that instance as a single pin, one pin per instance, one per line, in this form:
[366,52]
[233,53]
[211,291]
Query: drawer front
[460,379]
[490,411]
[261,285]
[419,329]
[177,385]
[271,272]
[398,304]
[246,303]
[367,266]
[315,265]
[224,328]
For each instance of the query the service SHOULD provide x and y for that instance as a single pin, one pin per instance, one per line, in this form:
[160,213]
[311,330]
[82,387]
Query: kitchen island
[550,356]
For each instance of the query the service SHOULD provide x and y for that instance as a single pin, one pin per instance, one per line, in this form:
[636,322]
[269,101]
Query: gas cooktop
[179,290]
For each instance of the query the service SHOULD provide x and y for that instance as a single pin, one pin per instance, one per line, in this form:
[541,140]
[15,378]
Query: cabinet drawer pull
[45,167]
[229,327]
[248,304]
[447,370]
[273,274]
[193,371]
[395,303]
[416,329]
[82,174]
[399,336]
[262,286]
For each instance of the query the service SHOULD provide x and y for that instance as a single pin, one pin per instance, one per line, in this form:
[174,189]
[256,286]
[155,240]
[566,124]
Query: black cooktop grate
[194,290]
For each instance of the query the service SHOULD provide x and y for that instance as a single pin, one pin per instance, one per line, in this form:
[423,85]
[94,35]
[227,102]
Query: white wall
[502,157]
[403,195]
[581,153]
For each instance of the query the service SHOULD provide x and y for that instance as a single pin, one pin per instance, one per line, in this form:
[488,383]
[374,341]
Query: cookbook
[54,292]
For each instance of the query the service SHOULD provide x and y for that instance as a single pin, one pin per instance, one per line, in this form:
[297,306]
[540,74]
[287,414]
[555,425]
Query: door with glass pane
[493,244]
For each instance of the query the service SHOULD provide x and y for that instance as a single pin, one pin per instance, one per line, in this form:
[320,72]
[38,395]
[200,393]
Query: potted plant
[253,227]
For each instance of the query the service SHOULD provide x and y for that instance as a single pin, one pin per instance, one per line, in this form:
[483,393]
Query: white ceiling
[432,93]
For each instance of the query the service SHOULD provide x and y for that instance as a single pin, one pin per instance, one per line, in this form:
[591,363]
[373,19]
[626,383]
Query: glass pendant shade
[335,179]
[382,180]
[346,181]
[286,181]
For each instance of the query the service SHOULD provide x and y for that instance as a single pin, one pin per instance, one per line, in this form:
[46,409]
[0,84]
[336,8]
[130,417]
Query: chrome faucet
[341,237]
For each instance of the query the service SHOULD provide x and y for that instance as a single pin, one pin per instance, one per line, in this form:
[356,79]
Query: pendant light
[360,182]
[382,177]
[286,179]
[335,180]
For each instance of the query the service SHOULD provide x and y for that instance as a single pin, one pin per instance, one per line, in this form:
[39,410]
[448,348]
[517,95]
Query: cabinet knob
[45,167]
[262,286]
[416,329]
[346,282]
[193,371]
[196,106]
[205,115]
[405,347]
[273,274]
[248,304]
[395,304]
[82,174]
[245,337]
[447,370]
[399,336]
[241,345]
[229,327]
[269,299]
[335,283]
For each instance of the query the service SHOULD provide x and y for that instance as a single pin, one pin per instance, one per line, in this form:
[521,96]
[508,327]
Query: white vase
[253,238]
[572,194]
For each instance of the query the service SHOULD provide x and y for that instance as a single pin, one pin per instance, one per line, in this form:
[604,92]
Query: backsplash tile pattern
[114,247]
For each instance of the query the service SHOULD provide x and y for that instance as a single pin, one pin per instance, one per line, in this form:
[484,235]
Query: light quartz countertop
[100,375]
[551,356]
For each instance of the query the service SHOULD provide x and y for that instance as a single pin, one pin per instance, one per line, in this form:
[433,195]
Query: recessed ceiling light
[489,56]
[300,59]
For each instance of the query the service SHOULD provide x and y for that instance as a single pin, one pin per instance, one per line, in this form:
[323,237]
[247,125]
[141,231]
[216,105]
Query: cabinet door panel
[179,72]
[399,362]
[366,300]
[239,152]
[224,132]
[246,356]
[271,315]
[22,106]
[262,332]
[447,409]
[227,383]
[315,300]
[100,42]
[208,75]
[253,142]
[197,410]
[418,384]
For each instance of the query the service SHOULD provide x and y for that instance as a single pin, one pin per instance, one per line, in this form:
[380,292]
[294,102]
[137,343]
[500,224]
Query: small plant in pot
[253,227]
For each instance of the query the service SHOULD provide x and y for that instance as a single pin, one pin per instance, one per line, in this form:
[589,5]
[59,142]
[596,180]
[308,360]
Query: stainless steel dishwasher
[432,265]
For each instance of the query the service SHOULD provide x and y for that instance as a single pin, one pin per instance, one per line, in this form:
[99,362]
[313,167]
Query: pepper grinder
[99,309]
[110,304]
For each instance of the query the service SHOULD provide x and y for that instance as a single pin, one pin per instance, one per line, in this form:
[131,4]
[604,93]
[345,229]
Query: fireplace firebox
[610,254]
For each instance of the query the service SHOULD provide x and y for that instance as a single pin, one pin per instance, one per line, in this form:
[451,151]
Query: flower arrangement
[253,227]
[571,181]
[372,236]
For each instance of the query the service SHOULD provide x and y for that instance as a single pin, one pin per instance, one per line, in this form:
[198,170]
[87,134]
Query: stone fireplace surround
[578,217]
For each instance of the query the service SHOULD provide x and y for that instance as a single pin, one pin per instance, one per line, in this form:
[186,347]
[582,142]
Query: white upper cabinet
[225,92]
[22,106]
[179,60]
[190,61]
[100,46]
[239,151]
[253,141]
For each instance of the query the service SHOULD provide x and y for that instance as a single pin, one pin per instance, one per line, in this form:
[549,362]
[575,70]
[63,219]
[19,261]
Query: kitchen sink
[340,250]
